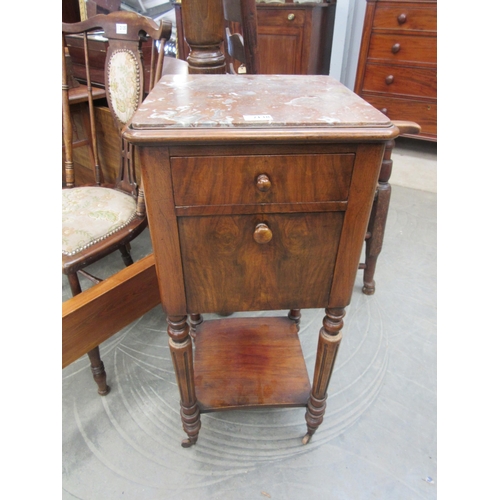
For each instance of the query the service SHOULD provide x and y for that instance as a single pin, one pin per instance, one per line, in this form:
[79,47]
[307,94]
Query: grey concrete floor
[378,438]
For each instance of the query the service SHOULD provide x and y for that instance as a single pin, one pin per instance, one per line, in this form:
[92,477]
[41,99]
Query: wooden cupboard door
[280,50]
[259,262]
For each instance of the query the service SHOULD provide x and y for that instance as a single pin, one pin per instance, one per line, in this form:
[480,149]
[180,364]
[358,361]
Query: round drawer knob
[402,18]
[291,17]
[384,110]
[396,48]
[262,233]
[389,79]
[263,183]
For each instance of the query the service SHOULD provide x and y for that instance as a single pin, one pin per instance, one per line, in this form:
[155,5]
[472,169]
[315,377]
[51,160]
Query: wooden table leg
[181,349]
[378,218]
[330,336]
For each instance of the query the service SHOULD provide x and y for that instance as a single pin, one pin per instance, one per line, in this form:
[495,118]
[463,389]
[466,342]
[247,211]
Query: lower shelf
[249,363]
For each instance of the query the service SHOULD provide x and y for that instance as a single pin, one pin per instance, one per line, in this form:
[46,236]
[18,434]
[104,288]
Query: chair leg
[96,365]
[126,257]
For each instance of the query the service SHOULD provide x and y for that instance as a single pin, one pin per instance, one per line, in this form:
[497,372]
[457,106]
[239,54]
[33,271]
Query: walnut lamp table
[258,192]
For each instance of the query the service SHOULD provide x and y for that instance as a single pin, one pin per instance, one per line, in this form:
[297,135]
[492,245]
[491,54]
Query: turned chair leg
[96,365]
[295,315]
[126,257]
[378,219]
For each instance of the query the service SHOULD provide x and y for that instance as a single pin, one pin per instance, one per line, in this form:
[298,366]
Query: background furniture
[100,219]
[241,47]
[292,38]
[397,68]
[242,219]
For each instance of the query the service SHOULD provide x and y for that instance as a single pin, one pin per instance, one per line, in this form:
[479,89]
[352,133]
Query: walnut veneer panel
[225,180]
[226,270]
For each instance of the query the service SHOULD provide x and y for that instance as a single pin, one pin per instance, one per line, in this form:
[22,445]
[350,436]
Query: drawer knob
[389,79]
[384,110]
[396,48]
[402,18]
[262,233]
[291,17]
[263,183]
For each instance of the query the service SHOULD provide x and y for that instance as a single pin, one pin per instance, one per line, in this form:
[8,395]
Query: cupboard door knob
[291,17]
[389,79]
[396,48]
[262,233]
[384,110]
[402,18]
[263,183]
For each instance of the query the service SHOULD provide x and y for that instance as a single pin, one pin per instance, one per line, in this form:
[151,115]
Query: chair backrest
[124,76]
[241,35]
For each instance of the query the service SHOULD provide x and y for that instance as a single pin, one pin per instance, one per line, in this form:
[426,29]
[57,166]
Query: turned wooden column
[328,344]
[181,349]
[203,23]
[378,219]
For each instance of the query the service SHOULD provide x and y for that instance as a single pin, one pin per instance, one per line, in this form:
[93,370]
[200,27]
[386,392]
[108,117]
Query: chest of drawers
[397,67]
[258,192]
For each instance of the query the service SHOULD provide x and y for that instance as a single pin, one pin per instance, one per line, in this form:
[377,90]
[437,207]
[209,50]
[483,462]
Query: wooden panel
[406,81]
[293,270]
[230,180]
[249,363]
[273,41]
[410,48]
[94,315]
[421,112]
[416,17]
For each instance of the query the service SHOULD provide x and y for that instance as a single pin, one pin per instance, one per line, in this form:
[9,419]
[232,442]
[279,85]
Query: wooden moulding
[91,317]
[249,363]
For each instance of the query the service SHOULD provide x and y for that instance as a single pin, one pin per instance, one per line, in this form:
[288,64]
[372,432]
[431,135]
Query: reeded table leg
[378,218]
[329,340]
[181,349]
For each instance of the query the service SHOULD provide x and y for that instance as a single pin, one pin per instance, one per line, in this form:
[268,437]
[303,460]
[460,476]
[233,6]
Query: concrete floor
[378,438]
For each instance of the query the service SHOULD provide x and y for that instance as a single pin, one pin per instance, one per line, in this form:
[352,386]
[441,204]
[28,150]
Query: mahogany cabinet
[294,39]
[397,67]
[259,190]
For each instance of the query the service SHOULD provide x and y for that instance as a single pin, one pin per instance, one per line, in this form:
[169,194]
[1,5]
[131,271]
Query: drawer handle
[402,18]
[263,183]
[291,17]
[262,233]
[384,110]
[389,79]
[396,48]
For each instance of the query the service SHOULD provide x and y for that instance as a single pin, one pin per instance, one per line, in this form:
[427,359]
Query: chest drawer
[423,113]
[417,82]
[284,17]
[240,180]
[405,16]
[403,48]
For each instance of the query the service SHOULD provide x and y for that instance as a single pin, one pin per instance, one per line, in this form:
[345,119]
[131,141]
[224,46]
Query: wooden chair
[103,218]
[240,43]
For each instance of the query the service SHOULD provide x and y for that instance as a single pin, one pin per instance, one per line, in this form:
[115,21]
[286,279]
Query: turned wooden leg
[181,349]
[126,257]
[194,321]
[378,218]
[329,340]
[294,315]
[96,365]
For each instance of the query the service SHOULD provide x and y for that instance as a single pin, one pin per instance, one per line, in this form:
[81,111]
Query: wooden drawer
[423,113]
[403,48]
[405,16]
[402,80]
[286,17]
[234,180]
[292,270]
